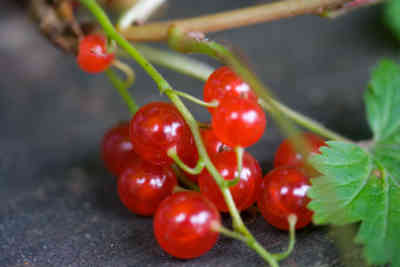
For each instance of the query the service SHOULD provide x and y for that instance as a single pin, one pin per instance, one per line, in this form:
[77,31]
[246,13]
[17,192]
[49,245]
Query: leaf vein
[362,185]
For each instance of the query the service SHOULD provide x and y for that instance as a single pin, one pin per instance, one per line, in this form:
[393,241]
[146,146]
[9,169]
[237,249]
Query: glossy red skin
[245,192]
[283,192]
[142,186]
[182,225]
[224,82]
[191,158]
[92,54]
[238,122]
[287,154]
[212,143]
[117,149]
[157,127]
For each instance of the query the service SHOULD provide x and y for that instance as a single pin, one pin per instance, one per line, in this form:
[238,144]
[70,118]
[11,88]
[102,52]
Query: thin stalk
[236,219]
[212,104]
[185,44]
[163,86]
[127,70]
[239,157]
[196,170]
[158,31]
[225,231]
[199,70]
[177,62]
[238,223]
[303,120]
[182,178]
[249,241]
[109,29]
[122,90]
[292,238]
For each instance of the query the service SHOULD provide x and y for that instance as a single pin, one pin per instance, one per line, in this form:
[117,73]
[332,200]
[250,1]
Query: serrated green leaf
[360,187]
[380,229]
[392,16]
[383,102]
[336,195]
[389,156]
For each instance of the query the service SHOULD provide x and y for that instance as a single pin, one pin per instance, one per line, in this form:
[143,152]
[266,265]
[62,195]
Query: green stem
[292,239]
[237,220]
[199,70]
[264,254]
[250,242]
[196,170]
[185,44]
[302,120]
[176,62]
[239,157]
[127,70]
[212,104]
[109,29]
[232,234]
[238,223]
[164,87]
[122,90]
[182,178]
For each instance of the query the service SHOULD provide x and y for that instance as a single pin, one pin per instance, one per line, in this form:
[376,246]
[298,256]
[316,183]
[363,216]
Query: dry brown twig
[57,22]
[158,31]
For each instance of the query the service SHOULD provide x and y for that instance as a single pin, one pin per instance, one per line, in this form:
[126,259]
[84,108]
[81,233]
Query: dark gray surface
[59,207]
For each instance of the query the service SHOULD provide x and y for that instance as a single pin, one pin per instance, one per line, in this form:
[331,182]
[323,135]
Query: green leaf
[392,16]
[340,201]
[356,186]
[383,102]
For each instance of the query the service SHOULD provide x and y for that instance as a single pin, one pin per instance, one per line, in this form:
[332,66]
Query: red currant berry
[117,149]
[142,186]
[244,192]
[191,158]
[284,192]
[287,154]
[238,122]
[212,143]
[223,82]
[183,225]
[213,146]
[92,54]
[157,127]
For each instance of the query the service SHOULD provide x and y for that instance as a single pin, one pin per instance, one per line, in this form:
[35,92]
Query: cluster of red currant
[139,153]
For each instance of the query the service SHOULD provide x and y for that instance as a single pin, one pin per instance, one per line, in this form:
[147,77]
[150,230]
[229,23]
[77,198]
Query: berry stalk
[199,70]
[189,97]
[176,62]
[182,178]
[164,87]
[184,43]
[122,90]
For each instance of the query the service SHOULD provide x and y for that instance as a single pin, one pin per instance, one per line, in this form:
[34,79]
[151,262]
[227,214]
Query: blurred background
[59,206]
